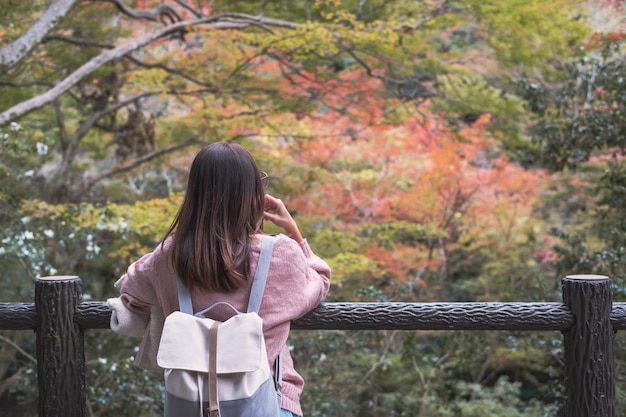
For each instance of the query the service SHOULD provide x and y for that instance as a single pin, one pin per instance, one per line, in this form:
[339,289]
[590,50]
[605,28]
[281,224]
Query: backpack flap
[185,343]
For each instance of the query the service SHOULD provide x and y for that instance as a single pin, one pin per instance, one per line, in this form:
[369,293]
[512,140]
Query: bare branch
[246,63]
[437,11]
[77,41]
[11,54]
[364,65]
[224,21]
[18,348]
[60,121]
[170,70]
[183,4]
[132,165]
[154,15]
[408,87]
[27,84]
[260,20]
[262,7]
[83,129]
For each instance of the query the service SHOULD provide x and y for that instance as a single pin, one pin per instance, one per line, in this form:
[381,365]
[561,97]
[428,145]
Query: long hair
[222,208]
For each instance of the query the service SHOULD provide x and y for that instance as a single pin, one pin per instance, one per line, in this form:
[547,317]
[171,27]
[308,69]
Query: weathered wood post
[60,348]
[589,364]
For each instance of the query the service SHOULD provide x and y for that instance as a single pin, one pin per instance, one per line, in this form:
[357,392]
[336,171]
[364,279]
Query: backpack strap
[256,296]
[213,408]
[260,275]
[184,299]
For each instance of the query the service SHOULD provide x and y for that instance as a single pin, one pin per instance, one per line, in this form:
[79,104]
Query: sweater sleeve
[319,273]
[137,291]
[298,281]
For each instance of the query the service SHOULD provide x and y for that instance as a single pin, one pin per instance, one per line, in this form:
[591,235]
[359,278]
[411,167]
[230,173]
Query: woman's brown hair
[222,208]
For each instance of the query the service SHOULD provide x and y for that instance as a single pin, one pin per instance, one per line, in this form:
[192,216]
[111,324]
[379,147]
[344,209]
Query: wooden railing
[587,318]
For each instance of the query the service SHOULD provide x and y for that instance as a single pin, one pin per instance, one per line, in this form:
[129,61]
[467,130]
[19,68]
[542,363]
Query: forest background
[431,150]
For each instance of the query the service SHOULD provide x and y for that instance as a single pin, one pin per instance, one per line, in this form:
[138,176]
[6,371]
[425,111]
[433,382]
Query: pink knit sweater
[297,282]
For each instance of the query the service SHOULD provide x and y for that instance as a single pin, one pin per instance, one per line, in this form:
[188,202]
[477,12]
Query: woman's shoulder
[162,251]
[285,243]
[288,251]
[159,256]
[285,250]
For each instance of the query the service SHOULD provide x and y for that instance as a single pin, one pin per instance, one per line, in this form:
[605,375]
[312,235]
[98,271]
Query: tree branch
[136,61]
[417,89]
[154,15]
[132,165]
[18,348]
[223,21]
[170,70]
[11,54]
[77,41]
[83,129]
[262,7]
[28,84]
[193,11]
[60,122]
[437,11]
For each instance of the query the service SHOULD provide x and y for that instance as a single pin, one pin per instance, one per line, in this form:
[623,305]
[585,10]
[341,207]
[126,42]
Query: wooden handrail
[366,316]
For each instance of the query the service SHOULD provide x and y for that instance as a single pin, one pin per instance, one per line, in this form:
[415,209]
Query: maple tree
[410,193]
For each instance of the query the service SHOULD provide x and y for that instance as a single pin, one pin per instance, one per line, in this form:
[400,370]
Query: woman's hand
[276,212]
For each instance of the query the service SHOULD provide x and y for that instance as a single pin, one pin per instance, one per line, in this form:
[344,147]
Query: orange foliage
[371,171]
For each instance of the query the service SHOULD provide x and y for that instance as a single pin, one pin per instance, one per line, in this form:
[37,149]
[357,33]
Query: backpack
[217,368]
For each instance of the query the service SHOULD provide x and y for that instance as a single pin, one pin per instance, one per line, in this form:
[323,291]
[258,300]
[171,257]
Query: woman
[213,246]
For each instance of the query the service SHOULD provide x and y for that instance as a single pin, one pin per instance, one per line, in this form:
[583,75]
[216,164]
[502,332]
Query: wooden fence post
[60,348]
[589,362]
